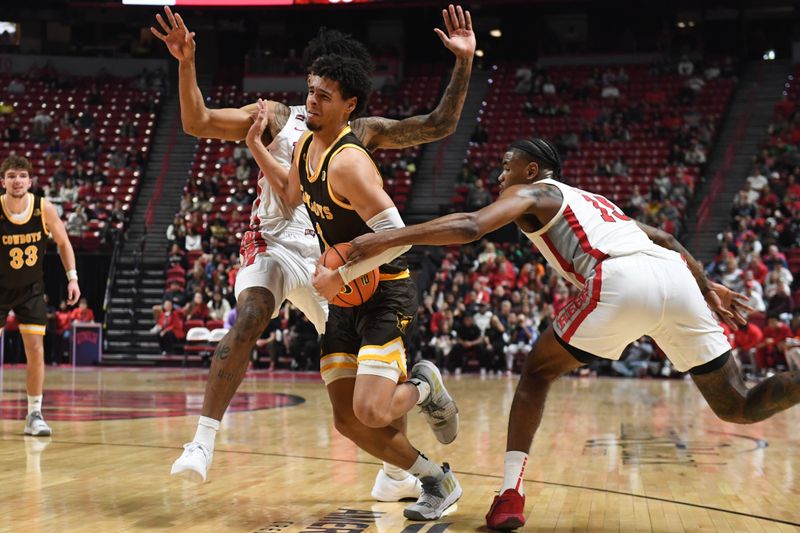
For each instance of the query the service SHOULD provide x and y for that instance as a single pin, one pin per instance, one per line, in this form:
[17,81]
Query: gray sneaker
[438,495]
[36,426]
[440,409]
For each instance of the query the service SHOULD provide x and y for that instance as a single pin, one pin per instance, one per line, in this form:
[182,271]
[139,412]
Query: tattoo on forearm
[279,118]
[422,128]
[227,376]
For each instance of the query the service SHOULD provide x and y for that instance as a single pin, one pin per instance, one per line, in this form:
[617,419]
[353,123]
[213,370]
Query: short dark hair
[353,78]
[16,162]
[540,150]
[330,41]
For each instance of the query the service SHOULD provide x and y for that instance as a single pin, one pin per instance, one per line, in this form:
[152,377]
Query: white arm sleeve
[384,221]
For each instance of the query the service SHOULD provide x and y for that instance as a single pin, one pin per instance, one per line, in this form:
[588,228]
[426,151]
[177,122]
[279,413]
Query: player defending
[636,280]
[26,221]
[284,270]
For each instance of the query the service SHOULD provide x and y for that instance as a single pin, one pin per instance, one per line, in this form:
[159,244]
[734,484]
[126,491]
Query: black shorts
[28,305]
[375,331]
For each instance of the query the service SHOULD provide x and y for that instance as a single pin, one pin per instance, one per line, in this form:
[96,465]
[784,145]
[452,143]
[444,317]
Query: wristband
[72,275]
[342,275]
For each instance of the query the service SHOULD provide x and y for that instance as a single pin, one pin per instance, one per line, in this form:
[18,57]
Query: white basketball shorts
[285,269]
[642,294]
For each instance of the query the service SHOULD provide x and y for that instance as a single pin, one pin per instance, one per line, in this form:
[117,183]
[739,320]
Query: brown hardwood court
[612,455]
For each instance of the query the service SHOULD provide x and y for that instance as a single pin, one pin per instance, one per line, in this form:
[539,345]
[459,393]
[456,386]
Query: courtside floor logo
[87,405]
[641,445]
[345,520]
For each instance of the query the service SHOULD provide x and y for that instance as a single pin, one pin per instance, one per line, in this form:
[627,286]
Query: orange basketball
[357,291]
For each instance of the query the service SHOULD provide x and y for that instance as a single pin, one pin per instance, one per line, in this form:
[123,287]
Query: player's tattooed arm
[379,132]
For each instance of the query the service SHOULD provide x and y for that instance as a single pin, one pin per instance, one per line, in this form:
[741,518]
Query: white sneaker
[387,489]
[194,462]
[36,426]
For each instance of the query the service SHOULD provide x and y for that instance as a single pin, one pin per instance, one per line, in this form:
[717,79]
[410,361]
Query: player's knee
[372,415]
[347,426]
[251,320]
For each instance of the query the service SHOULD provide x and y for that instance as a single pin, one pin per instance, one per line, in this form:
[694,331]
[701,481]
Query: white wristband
[72,275]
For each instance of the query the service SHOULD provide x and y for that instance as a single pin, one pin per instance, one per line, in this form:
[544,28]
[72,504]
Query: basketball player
[283,270]
[26,222]
[635,280]
[363,349]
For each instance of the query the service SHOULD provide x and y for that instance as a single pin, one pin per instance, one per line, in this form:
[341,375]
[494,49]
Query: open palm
[178,38]
[459,39]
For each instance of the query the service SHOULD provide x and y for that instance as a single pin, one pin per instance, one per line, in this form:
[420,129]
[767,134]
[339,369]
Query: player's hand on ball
[327,282]
[178,38]
[367,245]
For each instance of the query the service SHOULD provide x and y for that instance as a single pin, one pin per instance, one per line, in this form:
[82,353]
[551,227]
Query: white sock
[34,403]
[206,432]
[394,472]
[514,471]
[423,387]
[424,467]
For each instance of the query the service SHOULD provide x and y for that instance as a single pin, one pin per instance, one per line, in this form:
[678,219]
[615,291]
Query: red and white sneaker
[506,512]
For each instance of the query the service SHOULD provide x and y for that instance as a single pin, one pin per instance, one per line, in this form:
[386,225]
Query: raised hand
[178,38]
[260,122]
[460,39]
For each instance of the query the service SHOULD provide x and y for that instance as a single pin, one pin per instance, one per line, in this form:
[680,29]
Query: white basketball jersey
[270,216]
[587,229]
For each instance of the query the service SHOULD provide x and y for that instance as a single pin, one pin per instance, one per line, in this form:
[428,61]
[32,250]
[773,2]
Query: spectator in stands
[770,350]
[757,180]
[773,257]
[478,196]
[175,294]
[218,307]
[82,313]
[170,328]
[242,197]
[470,345]
[40,126]
[243,171]
[523,77]
[16,86]
[193,241]
[197,309]
[118,159]
[62,320]
[12,131]
[68,192]
[744,342]
[755,299]
[480,135]
[77,221]
[685,66]
[780,303]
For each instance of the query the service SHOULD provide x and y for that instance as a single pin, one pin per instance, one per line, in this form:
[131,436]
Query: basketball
[357,291]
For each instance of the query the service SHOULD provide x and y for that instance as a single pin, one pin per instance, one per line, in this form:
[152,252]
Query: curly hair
[351,75]
[16,162]
[335,42]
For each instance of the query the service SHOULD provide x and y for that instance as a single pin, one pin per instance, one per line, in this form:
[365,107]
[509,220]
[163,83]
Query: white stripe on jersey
[587,229]
[270,216]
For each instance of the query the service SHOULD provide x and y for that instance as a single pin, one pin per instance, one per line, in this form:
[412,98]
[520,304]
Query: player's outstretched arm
[457,228]
[230,124]
[730,306]
[65,251]
[380,132]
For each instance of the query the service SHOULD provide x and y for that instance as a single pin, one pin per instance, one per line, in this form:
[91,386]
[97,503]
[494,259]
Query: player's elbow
[441,125]
[470,227]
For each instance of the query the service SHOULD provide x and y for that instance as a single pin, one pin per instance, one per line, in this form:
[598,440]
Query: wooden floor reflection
[612,454]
